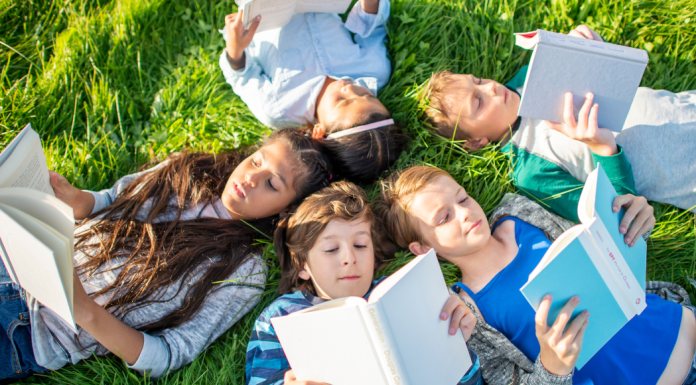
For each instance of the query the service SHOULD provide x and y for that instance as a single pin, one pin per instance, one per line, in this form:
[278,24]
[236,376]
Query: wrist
[236,59]
[556,371]
[604,149]
[370,6]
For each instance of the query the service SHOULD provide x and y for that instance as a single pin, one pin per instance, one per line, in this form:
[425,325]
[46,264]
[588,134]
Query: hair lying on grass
[152,255]
[362,157]
[297,234]
[434,98]
[394,203]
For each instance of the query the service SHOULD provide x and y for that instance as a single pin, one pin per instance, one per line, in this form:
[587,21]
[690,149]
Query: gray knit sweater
[54,343]
[501,362]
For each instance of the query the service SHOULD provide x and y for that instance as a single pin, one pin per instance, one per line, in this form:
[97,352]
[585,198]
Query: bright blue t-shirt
[637,354]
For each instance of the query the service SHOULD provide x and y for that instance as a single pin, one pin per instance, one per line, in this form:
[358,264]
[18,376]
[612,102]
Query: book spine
[384,344]
[248,13]
[613,268]
[593,46]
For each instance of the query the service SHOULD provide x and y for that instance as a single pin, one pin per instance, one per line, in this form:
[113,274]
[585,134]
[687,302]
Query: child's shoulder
[284,305]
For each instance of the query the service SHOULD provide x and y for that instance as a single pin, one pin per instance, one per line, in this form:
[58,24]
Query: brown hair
[394,204]
[296,234]
[153,254]
[434,97]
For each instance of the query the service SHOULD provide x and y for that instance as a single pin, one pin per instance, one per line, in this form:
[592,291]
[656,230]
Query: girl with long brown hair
[166,260]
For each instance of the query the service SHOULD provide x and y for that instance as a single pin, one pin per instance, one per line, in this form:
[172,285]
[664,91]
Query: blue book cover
[592,261]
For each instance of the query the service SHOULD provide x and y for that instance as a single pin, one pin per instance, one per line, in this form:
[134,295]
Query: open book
[592,261]
[277,13]
[396,337]
[562,63]
[37,231]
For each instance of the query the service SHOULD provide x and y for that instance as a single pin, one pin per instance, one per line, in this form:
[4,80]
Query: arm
[85,202]
[265,355]
[248,80]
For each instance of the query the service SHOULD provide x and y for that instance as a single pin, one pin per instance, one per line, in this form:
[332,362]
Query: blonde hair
[394,206]
[296,234]
[434,99]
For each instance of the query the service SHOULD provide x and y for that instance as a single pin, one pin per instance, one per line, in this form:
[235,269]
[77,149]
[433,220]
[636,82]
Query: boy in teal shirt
[551,161]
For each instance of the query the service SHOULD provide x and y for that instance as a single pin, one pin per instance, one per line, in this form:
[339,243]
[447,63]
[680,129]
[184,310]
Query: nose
[492,88]
[252,177]
[462,213]
[349,257]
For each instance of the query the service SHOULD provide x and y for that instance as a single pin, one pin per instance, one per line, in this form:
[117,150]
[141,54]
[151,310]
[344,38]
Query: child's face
[343,99]
[484,108]
[449,220]
[342,261]
[262,184]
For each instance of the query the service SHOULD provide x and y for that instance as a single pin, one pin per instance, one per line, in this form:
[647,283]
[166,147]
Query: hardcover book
[562,63]
[395,337]
[592,261]
[277,13]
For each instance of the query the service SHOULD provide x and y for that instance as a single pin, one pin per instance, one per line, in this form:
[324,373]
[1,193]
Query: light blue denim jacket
[286,68]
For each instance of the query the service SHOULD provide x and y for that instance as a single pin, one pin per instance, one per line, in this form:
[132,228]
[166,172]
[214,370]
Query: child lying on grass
[424,207]
[330,248]
[551,161]
[165,260]
[312,72]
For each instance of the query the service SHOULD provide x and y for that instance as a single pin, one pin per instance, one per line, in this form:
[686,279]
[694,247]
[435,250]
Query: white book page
[329,343]
[412,307]
[33,250]
[323,6]
[274,13]
[26,164]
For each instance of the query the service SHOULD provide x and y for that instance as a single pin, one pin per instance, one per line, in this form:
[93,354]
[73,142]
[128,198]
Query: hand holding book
[600,140]
[560,347]
[238,38]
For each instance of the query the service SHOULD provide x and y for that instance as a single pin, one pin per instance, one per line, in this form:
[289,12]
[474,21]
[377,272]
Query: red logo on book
[637,301]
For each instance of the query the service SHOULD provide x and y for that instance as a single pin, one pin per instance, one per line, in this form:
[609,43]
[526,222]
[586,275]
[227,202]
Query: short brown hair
[434,97]
[297,233]
[397,196]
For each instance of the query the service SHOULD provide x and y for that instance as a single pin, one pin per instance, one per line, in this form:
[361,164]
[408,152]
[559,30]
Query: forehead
[338,228]
[433,196]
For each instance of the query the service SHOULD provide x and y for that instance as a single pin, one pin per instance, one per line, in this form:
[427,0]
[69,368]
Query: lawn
[111,85]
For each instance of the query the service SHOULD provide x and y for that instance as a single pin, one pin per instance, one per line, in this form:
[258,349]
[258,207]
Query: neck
[479,267]
[327,82]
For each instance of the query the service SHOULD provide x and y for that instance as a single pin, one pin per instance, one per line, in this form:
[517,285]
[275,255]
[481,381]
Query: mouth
[350,278]
[238,190]
[474,227]
[506,95]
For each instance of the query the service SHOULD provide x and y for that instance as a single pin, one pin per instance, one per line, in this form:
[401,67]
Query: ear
[318,132]
[417,248]
[476,144]
[304,273]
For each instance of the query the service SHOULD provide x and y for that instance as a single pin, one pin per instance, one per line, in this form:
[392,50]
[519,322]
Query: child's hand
[238,38]
[600,140]
[560,350]
[370,6]
[584,32]
[290,379]
[460,316]
[80,201]
[639,212]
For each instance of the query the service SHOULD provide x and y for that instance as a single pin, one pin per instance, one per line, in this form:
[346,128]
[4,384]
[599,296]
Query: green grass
[110,85]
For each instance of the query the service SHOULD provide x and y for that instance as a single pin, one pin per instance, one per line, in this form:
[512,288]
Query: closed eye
[271,185]
[331,250]
[360,246]
[463,200]
[444,220]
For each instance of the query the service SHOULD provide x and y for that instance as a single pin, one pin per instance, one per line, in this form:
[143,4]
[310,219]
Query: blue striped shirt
[266,363]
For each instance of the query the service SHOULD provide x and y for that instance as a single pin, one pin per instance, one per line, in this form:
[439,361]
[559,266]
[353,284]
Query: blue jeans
[16,353]
[691,376]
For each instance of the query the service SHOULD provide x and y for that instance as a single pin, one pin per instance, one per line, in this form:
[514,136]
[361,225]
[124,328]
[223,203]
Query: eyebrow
[282,179]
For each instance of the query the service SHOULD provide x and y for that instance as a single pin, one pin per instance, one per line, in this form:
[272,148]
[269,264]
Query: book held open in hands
[562,63]
[277,13]
[592,261]
[395,337]
[36,228]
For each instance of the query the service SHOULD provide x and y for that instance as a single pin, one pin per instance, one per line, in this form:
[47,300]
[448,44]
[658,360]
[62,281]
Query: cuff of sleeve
[363,23]
[545,377]
[473,375]
[616,166]
[101,200]
[227,69]
[154,358]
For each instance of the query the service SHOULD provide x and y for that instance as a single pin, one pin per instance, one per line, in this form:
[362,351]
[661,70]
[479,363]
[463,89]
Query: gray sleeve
[106,197]
[222,308]
[502,363]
